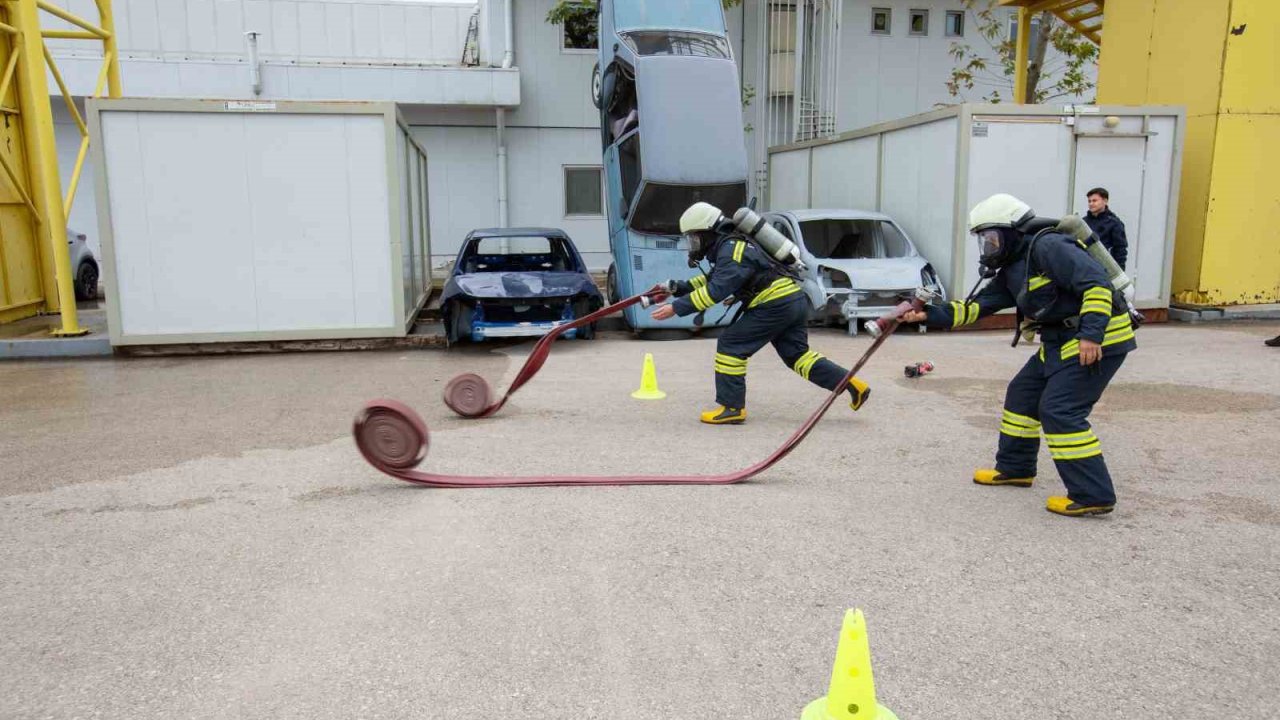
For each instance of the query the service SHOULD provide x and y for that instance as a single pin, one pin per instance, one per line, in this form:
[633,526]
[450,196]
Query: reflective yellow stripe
[1093,449]
[1070,349]
[1018,432]
[738,248]
[1118,338]
[806,362]
[1014,418]
[1041,353]
[701,298]
[964,314]
[730,365]
[1060,439]
[1097,293]
[972,316]
[1094,307]
[780,288]
[1119,321]
[957,314]
[1037,282]
[699,281]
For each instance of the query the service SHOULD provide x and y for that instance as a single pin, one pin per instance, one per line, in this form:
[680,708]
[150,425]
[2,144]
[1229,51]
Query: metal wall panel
[273,225]
[918,177]
[847,175]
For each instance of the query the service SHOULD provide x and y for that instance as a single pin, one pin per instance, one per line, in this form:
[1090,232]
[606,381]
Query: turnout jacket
[1057,285]
[739,269]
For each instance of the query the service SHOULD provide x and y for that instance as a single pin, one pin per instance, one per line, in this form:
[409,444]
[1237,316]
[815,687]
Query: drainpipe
[255,66]
[509,56]
[503,218]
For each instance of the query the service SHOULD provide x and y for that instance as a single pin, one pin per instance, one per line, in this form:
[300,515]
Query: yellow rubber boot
[860,392]
[992,477]
[722,415]
[1066,506]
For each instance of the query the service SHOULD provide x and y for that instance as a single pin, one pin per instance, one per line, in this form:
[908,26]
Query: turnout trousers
[783,323]
[1056,398]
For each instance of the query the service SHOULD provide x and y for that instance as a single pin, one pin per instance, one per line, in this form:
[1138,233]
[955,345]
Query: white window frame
[564,192]
[577,51]
[946,27]
[911,16]
[888,26]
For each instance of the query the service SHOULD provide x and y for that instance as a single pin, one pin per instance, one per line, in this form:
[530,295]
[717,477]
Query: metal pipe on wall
[509,55]
[255,66]
[503,218]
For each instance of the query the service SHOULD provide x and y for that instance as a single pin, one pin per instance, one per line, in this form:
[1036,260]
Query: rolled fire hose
[394,439]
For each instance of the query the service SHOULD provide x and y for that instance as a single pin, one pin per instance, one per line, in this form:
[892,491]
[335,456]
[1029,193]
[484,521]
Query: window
[1013,27]
[955,23]
[673,42]
[578,31]
[583,191]
[895,245]
[919,24]
[881,21]
[659,207]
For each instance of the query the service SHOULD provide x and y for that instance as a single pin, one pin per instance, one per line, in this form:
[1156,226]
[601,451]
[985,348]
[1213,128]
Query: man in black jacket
[1107,225]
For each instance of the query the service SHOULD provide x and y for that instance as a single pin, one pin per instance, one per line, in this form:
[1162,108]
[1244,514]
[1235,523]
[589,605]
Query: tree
[582,9]
[1062,76]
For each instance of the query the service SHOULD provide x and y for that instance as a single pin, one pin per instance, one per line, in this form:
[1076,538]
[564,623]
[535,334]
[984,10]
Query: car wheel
[596,86]
[582,307]
[457,322]
[87,282]
[611,285]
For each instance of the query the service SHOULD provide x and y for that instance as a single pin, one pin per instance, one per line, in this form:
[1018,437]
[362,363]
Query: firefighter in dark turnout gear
[774,310]
[1061,292]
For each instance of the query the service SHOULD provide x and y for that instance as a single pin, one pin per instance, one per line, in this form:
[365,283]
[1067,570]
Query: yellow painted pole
[1021,57]
[109,47]
[42,160]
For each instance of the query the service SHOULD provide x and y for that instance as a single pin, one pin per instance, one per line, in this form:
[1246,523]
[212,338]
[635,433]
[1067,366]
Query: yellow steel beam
[17,185]
[73,19]
[5,27]
[42,154]
[1020,57]
[66,94]
[8,74]
[68,35]
[110,48]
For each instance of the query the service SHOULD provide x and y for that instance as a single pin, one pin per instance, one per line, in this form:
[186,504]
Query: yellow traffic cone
[852,695]
[648,382]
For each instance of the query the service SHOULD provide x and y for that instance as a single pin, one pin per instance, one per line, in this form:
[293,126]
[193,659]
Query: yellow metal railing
[42,194]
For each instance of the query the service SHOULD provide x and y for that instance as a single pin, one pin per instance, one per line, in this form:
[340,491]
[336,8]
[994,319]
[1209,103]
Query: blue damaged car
[517,282]
[672,131]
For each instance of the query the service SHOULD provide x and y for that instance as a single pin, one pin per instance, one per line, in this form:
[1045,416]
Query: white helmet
[999,211]
[699,217]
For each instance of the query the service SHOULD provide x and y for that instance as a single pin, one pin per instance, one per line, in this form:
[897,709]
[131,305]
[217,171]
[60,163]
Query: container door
[1119,165]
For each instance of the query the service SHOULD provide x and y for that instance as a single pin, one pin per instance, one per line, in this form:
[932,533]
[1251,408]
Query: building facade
[501,98]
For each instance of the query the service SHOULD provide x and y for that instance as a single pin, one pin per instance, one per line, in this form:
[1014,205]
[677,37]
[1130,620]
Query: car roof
[844,214]
[518,232]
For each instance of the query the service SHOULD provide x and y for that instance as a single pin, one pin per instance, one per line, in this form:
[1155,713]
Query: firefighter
[1085,332]
[775,310]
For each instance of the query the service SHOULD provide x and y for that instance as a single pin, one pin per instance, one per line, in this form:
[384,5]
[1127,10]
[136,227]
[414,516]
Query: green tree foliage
[1065,75]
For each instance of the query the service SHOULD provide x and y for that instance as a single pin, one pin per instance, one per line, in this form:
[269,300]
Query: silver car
[84,266]
[857,263]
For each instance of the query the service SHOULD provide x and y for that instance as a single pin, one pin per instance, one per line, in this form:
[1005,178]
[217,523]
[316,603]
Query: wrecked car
[857,263]
[517,282]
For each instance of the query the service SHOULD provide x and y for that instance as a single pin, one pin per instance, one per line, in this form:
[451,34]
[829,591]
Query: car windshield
[671,42]
[518,254]
[660,206]
[854,239]
[704,15]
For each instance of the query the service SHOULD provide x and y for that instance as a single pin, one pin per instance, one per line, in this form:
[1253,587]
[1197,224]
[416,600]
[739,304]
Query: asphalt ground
[198,538]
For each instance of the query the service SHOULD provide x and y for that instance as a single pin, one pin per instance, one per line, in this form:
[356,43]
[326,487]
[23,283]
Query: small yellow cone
[648,382]
[852,695]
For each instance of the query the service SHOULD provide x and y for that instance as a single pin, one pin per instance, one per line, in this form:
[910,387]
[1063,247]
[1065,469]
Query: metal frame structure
[1084,16]
[25,66]
[395,125]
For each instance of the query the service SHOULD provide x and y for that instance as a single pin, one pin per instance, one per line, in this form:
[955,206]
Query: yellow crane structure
[1221,60]
[35,267]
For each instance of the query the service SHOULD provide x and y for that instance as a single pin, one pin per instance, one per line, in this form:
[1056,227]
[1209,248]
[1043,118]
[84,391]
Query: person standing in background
[1107,225]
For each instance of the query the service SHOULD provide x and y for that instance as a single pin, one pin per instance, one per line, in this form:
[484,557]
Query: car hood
[520,285]
[873,274]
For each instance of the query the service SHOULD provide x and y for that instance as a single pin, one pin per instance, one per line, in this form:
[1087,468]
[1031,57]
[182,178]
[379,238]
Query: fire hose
[394,439]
